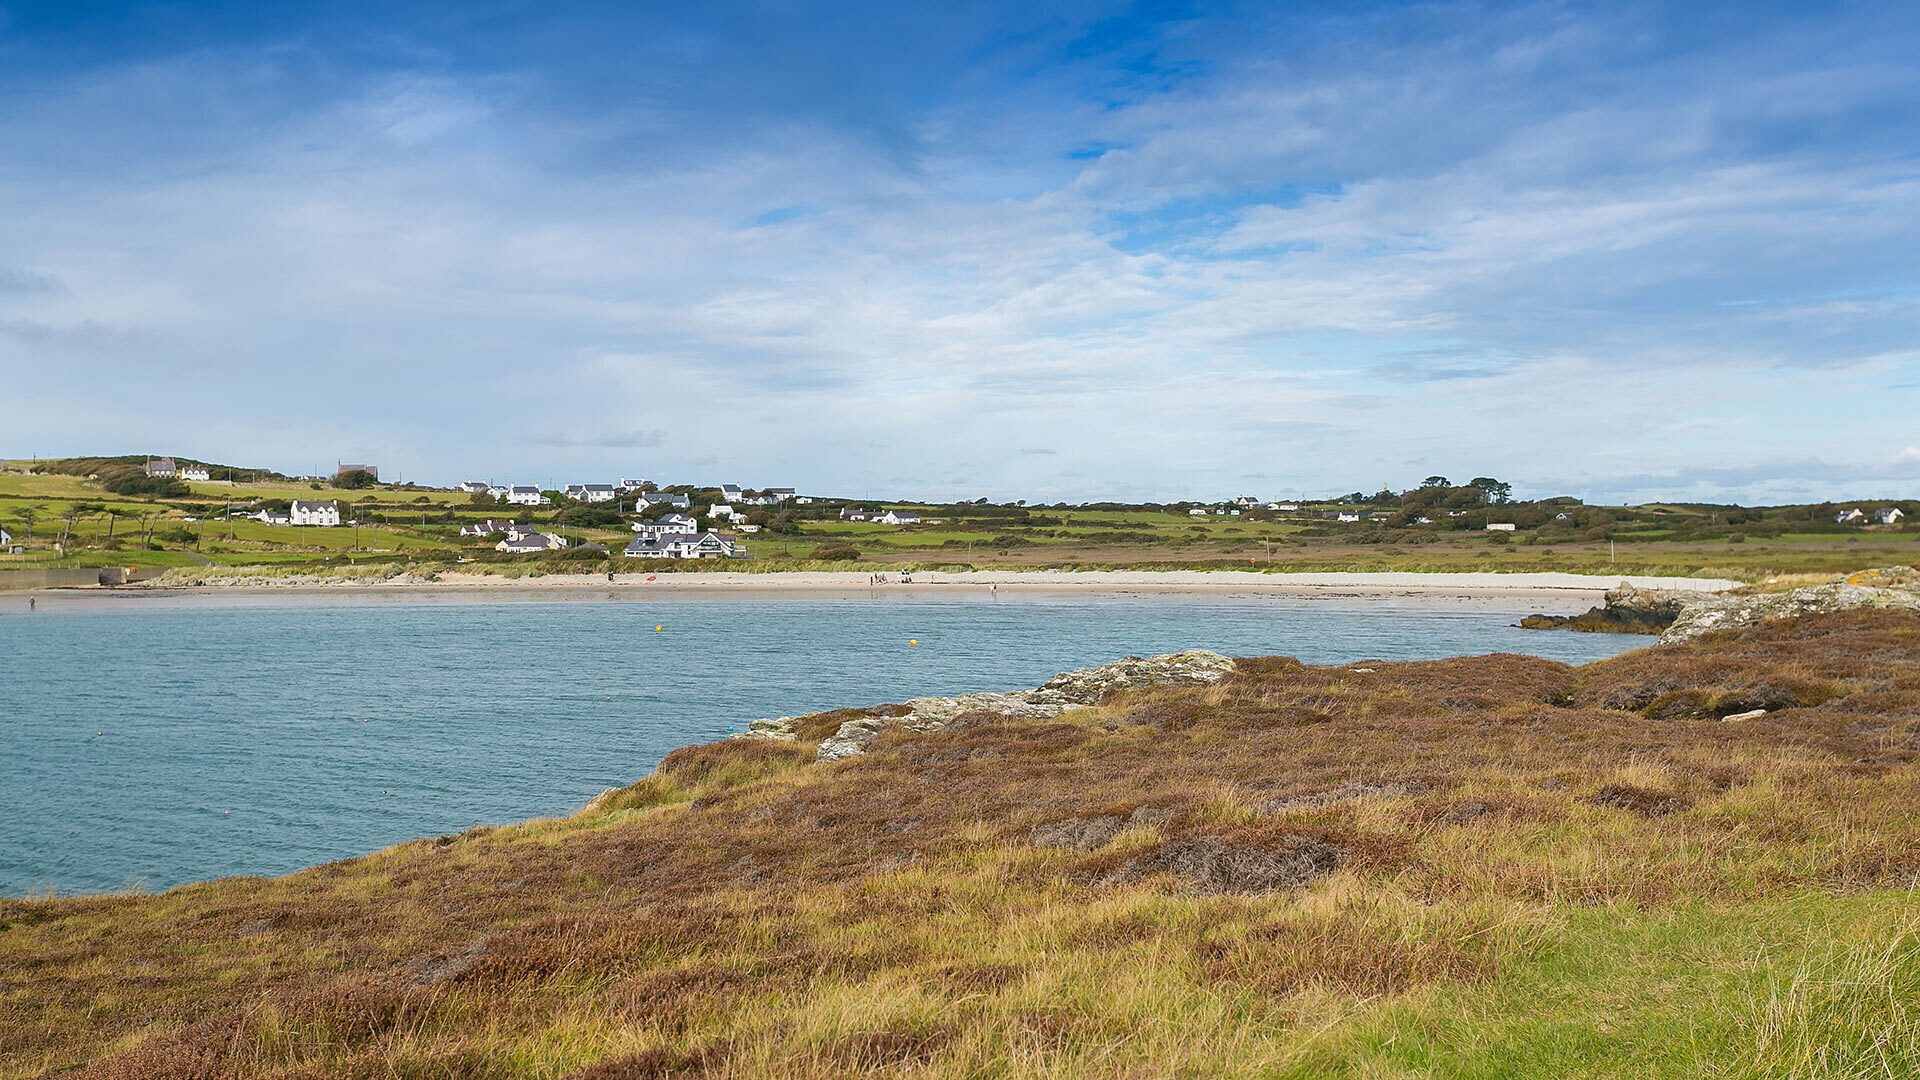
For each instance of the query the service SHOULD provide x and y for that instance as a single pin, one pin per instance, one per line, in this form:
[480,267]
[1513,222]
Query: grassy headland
[1491,866]
[68,514]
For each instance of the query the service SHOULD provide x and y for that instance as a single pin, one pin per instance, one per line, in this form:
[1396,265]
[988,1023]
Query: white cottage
[303,512]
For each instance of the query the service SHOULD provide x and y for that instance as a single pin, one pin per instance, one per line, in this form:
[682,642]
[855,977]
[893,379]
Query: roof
[519,488]
[301,504]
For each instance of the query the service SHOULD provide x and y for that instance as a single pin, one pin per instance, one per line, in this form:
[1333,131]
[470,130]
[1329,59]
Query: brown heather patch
[689,924]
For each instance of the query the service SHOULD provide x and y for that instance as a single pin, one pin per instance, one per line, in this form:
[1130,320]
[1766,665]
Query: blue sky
[1621,251]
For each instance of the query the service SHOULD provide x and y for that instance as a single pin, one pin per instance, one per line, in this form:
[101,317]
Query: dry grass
[1301,871]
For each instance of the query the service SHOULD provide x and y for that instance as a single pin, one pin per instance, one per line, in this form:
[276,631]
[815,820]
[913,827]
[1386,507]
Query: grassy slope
[1084,539]
[1560,885]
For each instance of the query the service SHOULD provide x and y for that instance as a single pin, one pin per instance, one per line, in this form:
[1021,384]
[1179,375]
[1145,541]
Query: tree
[1498,491]
[1436,482]
[355,478]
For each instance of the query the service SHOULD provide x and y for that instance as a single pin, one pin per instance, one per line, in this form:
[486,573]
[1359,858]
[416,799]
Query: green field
[100,528]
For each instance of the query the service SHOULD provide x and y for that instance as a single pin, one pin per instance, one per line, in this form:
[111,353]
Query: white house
[898,517]
[269,517]
[1849,517]
[1198,511]
[1891,515]
[722,512]
[652,499]
[498,491]
[803,500]
[666,525]
[160,466]
[6,538]
[632,484]
[303,512]
[1285,508]
[1247,502]
[1499,526]
[779,495]
[525,495]
[474,487]
[599,493]
[856,513]
[685,546]
[489,527]
[1347,516]
[749,528]
[196,473]
[530,543]
[730,493]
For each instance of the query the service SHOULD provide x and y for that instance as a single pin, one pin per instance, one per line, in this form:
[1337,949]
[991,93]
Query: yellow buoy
[913,641]
[657,629]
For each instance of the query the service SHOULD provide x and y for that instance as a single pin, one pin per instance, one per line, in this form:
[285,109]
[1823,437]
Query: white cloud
[1337,268]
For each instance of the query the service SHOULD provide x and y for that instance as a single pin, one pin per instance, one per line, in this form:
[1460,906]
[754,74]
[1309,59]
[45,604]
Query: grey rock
[1896,587]
[779,729]
[1070,690]
[853,738]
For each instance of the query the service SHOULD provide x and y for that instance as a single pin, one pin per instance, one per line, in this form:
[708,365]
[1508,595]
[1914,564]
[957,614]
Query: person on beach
[32,601]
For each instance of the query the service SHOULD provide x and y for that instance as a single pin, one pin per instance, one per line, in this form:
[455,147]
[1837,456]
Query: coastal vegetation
[107,512]
[1485,866]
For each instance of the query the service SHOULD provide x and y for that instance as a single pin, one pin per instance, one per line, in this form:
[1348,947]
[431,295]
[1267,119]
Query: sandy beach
[1542,586]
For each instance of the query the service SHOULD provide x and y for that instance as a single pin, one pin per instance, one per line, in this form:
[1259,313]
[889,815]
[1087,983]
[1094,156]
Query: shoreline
[838,584]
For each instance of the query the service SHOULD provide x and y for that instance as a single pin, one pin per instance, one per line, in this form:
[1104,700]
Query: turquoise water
[147,741]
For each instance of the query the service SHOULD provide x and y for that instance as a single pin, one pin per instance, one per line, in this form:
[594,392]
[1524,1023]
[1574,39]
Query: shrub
[836,553]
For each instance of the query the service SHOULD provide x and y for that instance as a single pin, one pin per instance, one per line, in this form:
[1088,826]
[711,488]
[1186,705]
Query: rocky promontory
[1068,690]
[1683,616]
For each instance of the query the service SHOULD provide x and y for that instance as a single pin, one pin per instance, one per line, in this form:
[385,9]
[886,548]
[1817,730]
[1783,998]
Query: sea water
[149,741]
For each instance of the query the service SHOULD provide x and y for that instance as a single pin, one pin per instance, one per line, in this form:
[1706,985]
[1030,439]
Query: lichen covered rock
[1896,587]
[1070,690]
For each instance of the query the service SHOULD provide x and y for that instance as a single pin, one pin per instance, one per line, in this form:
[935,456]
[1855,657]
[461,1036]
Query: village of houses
[671,532]
[664,525]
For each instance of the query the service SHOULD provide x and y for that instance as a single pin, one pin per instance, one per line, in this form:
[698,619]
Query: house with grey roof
[525,495]
[161,467]
[898,517]
[530,543]
[686,546]
[651,499]
[303,512]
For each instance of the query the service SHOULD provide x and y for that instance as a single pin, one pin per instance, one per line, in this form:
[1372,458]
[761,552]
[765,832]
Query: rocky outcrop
[1683,616]
[1070,690]
[1887,587]
[1625,610]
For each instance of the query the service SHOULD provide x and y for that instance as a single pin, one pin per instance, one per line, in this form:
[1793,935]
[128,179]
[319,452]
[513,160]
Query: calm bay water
[150,741]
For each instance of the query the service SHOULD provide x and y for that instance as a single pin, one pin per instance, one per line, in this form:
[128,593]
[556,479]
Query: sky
[1622,251]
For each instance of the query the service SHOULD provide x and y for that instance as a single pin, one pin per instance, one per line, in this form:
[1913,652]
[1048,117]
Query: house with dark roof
[530,543]
[303,512]
[161,467]
[898,517]
[685,546]
[666,525]
[651,499]
[525,495]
